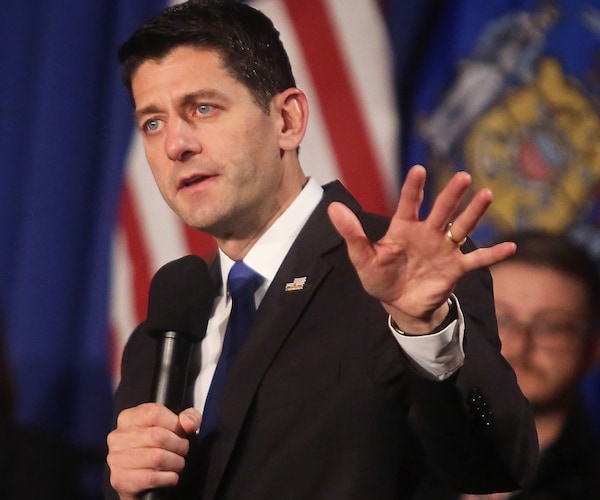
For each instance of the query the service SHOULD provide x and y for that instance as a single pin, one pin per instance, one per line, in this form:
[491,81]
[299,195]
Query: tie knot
[242,280]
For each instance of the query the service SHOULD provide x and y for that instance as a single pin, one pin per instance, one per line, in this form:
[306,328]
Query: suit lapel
[275,319]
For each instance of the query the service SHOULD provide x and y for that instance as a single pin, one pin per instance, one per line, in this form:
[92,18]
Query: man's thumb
[190,419]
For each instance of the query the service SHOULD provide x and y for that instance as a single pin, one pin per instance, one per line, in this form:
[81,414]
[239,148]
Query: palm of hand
[413,269]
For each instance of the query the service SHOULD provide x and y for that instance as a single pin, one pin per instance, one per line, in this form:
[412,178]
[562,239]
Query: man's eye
[204,109]
[152,125]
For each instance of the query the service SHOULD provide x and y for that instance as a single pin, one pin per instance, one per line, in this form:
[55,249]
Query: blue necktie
[242,283]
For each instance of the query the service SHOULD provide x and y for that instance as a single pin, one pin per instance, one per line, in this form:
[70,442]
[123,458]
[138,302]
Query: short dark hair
[244,37]
[561,253]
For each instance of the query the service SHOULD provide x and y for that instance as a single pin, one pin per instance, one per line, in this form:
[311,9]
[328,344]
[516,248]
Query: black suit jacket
[322,403]
[569,469]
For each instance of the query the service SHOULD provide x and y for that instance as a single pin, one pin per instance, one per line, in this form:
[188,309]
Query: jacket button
[479,408]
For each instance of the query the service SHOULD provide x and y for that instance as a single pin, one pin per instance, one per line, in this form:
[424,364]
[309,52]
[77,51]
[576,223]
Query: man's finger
[346,223]
[189,421]
[411,194]
[448,200]
[485,257]
[148,415]
[349,227]
[468,220]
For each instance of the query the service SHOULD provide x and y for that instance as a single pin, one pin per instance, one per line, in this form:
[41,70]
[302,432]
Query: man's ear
[292,106]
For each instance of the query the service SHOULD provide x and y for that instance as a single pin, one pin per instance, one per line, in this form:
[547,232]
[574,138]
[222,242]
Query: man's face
[542,324]
[214,153]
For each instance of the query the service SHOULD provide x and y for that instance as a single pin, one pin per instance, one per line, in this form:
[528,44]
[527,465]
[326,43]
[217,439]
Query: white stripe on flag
[122,308]
[362,35]
[316,154]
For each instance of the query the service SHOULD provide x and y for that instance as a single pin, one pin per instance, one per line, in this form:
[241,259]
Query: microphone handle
[173,355]
[159,494]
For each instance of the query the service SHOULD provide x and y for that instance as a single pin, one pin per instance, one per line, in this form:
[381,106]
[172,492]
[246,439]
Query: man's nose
[182,140]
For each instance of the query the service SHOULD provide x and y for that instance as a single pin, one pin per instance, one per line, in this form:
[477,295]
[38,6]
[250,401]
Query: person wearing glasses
[547,299]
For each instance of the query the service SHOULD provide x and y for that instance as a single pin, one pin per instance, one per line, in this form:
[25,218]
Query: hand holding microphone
[147,450]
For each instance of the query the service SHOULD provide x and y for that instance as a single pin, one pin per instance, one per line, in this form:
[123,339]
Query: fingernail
[193,416]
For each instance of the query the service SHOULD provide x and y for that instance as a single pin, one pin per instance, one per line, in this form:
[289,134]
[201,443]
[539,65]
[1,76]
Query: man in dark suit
[373,348]
[547,298]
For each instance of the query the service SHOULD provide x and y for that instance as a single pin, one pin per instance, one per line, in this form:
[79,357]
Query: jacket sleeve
[476,427]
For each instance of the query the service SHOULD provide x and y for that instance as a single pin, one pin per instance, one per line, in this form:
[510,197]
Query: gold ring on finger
[452,238]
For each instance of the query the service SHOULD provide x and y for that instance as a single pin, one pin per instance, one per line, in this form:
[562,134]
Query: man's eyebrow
[183,101]
[194,97]
[148,110]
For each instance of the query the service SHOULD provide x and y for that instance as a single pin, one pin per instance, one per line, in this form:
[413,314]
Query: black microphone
[179,304]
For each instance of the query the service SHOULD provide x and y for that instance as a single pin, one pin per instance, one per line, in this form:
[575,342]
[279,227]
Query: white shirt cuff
[436,355]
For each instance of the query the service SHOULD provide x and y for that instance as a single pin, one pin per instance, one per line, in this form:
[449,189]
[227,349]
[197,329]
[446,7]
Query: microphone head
[181,298]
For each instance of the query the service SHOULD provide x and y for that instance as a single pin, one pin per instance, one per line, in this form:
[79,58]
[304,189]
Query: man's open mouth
[190,181]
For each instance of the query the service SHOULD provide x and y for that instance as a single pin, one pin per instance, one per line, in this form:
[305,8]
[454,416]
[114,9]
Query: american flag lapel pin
[297,284]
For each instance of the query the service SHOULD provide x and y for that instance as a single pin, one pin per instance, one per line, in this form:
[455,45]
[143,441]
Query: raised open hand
[413,269]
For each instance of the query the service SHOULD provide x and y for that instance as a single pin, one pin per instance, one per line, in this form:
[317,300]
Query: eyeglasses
[548,329]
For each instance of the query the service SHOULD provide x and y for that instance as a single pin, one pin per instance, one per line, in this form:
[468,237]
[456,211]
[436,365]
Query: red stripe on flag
[136,250]
[340,107]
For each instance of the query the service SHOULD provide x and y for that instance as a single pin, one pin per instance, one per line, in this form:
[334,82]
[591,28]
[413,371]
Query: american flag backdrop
[342,59]
[83,228]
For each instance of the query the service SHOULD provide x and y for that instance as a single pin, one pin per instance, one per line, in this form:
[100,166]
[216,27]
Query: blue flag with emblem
[509,90]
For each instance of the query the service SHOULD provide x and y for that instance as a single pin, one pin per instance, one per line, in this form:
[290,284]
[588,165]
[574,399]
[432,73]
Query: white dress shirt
[436,355]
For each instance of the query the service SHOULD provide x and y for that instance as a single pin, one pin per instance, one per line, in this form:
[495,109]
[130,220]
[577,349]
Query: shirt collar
[267,254]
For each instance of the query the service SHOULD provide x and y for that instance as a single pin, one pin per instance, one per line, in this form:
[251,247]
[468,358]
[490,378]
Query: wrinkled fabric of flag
[509,90]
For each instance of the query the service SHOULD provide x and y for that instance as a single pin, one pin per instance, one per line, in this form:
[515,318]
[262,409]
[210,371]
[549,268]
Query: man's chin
[200,221]
[546,401]
[547,406]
